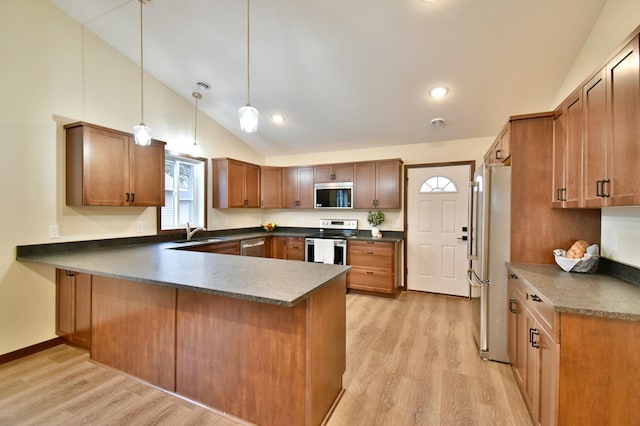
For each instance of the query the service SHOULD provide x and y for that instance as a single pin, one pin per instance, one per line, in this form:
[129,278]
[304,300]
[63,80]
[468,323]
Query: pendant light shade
[247,114]
[248,119]
[142,132]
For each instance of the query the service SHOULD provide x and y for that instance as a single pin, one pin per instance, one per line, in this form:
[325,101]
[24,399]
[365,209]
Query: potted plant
[375,219]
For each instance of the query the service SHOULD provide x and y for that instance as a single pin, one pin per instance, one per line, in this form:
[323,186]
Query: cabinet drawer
[371,280]
[377,246]
[543,311]
[371,259]
[231,247]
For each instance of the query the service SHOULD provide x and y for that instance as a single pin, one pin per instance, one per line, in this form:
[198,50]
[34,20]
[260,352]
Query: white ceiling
[353,73]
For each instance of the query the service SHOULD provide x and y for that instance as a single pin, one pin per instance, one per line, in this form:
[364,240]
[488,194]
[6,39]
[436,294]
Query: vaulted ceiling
[353,73]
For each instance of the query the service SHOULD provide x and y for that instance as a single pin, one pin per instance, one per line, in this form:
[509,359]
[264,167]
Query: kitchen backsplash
[621,235]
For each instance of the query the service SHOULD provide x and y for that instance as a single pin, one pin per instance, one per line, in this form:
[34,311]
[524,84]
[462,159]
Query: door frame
[472,170]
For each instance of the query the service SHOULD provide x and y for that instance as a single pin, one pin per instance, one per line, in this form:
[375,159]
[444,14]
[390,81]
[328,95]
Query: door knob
[463,238]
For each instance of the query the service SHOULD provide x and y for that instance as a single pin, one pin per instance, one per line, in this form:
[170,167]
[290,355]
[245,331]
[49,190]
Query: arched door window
[438,184]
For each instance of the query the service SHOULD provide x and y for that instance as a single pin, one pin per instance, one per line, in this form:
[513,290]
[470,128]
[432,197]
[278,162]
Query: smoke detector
[203,85]
[438,122]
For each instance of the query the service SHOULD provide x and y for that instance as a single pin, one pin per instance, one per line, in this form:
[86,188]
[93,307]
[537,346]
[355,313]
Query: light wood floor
[410,361]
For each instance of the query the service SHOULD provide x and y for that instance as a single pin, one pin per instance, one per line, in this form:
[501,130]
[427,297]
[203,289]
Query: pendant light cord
[248,53]
[195,121]
[141,69]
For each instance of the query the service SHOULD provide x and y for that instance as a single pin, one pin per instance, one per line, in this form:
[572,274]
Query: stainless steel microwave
[333,195]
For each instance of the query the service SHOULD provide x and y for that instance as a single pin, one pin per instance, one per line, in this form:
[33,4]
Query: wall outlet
[138,227]
[54,231]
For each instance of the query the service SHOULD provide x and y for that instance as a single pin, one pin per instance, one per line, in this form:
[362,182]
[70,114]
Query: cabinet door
[573,160]
[82,332]
[295,248]
[105,168]
[559,158]
[235,184]
[388,184]
[146,174]
[623,113]
[547,379]
[65,301]
[271,187]
[252,185]
[305,187]
[364,185]
[323,174]
[593,147]
[503,150]
[290,187]
[343,172]
[278,248]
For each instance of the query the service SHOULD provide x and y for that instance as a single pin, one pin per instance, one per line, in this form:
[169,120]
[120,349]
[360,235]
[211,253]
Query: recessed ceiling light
[277,118]
[438,92]
[438,122]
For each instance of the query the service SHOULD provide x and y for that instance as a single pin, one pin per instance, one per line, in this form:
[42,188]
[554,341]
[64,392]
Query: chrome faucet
[191,233]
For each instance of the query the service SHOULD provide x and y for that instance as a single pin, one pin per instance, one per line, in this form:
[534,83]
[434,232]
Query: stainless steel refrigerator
[489,250]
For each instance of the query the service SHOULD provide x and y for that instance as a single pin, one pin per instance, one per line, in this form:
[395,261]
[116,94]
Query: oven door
[339,251]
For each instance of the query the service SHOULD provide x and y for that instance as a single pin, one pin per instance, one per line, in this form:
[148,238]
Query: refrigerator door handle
[472,220]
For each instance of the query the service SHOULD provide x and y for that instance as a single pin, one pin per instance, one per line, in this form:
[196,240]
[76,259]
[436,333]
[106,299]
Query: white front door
[437,211]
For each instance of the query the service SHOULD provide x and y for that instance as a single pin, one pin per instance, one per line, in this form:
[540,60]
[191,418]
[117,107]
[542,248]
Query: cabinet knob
[369,252]
[514,276]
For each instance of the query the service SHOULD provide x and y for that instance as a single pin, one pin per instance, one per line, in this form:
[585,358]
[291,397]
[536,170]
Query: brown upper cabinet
[328,173]
[500,151]
[567,152]
[597,136]
[236,184]
[611,149]
[271,187]
[297,187]
[377,184]
[105,167]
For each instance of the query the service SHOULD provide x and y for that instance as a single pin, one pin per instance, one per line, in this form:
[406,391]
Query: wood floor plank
[410,361]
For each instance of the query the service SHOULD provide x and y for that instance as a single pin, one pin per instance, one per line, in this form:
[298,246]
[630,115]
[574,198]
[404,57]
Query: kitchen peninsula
[259,339]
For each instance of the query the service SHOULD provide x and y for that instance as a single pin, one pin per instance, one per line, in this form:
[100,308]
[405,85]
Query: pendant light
[141,132]
[248,115]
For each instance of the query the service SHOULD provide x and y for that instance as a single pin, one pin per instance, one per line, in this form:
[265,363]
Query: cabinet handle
[533,332]
[535,298]
[598,188]
[69,273]
[127,199]
[369,273]
[605,182]
[133,197]
[498,151]
[564,194]
[512,308]
[369,252]
[514,276]
[560,194]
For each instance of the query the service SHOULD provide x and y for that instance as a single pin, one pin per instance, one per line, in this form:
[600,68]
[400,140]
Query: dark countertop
[151,259]
[273,281]
[582,294]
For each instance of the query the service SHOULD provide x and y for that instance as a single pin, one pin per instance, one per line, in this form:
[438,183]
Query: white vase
[375,231]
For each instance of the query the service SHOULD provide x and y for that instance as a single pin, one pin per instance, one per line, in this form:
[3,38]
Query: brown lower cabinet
[572,369]
[374,266]
[289,248]
[73,307]
[268,364]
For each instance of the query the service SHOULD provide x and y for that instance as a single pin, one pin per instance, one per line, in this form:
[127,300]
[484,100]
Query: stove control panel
[339,223]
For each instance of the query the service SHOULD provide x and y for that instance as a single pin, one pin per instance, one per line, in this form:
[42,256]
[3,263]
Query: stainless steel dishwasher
[253,247]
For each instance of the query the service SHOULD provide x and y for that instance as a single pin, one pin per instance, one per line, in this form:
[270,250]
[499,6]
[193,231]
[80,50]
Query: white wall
[620,226]
[52,71]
